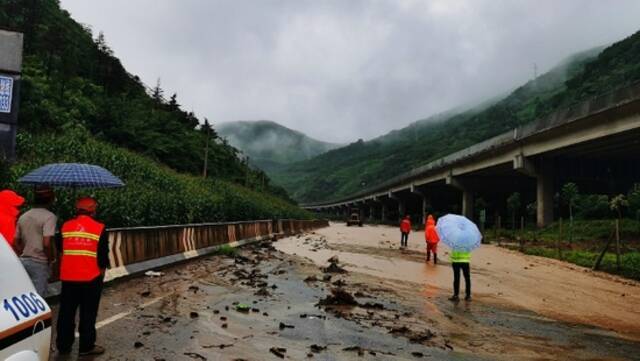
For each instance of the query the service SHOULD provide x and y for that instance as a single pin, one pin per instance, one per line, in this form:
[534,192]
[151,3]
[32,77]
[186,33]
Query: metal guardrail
[137,245]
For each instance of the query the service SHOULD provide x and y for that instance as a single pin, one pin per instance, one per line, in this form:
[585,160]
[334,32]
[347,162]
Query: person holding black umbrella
[85,249]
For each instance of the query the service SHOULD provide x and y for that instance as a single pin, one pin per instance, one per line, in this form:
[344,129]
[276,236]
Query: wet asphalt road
[191,313]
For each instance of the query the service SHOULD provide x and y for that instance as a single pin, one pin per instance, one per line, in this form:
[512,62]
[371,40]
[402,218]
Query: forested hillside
[154,195]
[344,171]
[71,76]
[72,83]
[270,145]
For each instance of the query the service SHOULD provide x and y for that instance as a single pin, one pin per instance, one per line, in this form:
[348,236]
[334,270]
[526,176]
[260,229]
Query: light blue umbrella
[73,175]
[459,233]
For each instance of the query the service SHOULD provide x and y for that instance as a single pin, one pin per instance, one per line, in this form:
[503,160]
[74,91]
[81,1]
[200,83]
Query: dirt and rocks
[323,296]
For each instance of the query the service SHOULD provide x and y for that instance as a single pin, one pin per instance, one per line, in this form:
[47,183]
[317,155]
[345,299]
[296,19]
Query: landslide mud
[264,304]
[547,287]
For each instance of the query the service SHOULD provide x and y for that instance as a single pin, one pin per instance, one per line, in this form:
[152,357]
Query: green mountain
[270,145]
[73,87]
[344,171]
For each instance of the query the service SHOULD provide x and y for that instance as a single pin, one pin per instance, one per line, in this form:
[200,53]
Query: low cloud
[341,70]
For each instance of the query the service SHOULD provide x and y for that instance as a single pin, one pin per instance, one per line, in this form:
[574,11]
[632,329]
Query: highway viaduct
[595,144]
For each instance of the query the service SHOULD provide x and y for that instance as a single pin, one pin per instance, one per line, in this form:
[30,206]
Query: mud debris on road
[265,303]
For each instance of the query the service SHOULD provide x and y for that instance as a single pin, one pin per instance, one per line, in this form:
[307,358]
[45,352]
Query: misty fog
[343,70]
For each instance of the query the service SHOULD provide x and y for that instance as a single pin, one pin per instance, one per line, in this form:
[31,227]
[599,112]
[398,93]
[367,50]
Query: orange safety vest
[80,237]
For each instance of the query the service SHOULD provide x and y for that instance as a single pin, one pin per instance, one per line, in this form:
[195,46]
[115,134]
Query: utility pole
[206,151]
[246,174]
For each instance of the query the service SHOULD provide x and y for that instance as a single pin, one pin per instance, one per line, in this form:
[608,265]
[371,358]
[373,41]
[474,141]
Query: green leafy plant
[618,204]
[514,204]
[569,195]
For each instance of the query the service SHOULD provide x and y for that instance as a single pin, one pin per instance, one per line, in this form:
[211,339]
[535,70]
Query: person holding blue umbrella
[462,236]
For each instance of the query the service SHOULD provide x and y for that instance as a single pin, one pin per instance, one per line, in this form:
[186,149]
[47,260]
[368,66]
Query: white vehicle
[25,317]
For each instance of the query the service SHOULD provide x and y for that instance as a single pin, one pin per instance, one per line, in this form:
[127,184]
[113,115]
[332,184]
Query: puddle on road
[375,265]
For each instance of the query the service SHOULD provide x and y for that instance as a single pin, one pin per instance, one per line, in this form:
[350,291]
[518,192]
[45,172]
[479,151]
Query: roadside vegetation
[154,195]
[227,251]
[79,104]
[71,77]
[589,224]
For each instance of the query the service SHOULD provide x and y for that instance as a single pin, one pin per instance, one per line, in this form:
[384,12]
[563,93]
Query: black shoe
[467,298]
[64,352]
[454,298]
[435,259]
[96,350]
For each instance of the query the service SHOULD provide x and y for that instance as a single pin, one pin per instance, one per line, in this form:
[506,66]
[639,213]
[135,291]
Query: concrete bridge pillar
[402,206]
[544,195]
[468,196]
[384,212]
[544,186]
[468,202]
[372,211]
[425,201]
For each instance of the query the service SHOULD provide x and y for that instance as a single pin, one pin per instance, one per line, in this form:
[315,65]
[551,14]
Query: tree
[569,195]
[173,103]
[101,42]
[618,203]
[634,201]
[157,93]
[513,204]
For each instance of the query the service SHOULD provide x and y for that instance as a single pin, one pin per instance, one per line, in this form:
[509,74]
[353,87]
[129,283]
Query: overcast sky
[346,69]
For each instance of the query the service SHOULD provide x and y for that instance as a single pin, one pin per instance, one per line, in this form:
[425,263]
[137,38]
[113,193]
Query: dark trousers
[74,295]
[404,238]
[457,266]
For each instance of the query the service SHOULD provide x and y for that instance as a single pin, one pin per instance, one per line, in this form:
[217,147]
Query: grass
[580,244]
[226,250]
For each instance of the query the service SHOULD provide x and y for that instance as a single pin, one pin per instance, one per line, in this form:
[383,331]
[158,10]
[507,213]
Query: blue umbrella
[459,233]
[74,175]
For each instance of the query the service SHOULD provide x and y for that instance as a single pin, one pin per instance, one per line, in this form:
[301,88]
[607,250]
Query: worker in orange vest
[10,203]
[432,239]
[405,229]
[85,256]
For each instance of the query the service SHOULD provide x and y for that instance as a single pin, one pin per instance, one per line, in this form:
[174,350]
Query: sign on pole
[6,93]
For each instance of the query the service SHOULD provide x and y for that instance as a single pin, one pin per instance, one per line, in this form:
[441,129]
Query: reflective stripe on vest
[81,235]
[460,257]
[80,238]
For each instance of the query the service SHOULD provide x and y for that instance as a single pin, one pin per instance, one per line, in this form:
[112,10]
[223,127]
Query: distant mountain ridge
[270,145]
[344,171]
